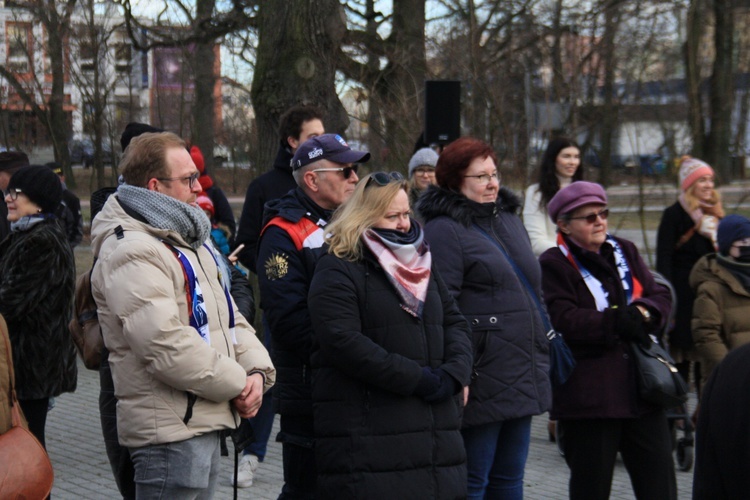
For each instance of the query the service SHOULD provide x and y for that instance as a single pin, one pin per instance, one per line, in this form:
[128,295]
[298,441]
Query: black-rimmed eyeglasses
[485,178]
[346,171]
[12,192]
[191,179]
[591,218]
[384,178]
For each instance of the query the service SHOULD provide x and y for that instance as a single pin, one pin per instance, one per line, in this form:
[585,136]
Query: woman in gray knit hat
[421,175]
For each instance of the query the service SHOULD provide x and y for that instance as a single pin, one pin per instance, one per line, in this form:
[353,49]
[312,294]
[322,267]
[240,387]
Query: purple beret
[574,196]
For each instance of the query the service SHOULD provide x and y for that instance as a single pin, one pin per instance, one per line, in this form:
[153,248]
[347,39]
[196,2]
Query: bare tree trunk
[204,112]
[693,76]
[722,91]
[298,45]
[610,107]
[559,94]
[375,134]
[57,29]
[402,83]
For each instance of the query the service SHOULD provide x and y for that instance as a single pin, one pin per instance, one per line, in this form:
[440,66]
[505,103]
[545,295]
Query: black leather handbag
[659,382]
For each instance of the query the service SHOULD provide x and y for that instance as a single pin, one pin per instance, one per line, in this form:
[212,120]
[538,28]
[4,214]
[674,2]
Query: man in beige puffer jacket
[184,361]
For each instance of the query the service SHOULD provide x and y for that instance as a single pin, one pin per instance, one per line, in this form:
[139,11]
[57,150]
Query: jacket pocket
[191,399]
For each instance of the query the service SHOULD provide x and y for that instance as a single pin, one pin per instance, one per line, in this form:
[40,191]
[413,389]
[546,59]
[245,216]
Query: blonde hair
[358,214]
[693,202]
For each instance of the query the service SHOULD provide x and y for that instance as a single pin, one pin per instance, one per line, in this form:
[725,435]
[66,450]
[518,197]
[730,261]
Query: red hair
[455,159]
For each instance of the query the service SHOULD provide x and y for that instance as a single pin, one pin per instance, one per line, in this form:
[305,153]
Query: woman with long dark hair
[561,165]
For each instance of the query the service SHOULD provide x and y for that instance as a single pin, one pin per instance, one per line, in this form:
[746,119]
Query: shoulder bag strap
[685,237]
[521,276]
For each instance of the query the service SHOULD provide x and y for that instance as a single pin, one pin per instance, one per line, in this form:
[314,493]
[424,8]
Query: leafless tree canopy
[614,74]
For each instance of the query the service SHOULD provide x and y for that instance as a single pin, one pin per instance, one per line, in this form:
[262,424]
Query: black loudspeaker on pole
[442,111]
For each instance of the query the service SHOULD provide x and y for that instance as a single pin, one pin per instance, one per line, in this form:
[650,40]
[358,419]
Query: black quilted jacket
[511,350]
[373,437]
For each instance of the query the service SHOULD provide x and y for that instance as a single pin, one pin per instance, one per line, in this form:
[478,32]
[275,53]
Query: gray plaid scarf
[165,212]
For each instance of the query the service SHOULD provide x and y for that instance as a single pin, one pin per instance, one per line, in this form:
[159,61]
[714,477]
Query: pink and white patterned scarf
[407,266]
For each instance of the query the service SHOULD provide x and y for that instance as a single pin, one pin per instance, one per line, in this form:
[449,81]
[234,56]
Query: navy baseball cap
[331,147]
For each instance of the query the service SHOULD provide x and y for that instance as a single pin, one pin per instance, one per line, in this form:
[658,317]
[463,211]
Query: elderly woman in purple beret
[601,296]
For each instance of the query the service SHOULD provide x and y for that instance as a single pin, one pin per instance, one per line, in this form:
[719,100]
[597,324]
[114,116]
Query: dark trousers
[262,423]
[35,411]
[300,475]
[591,447]
[119,457]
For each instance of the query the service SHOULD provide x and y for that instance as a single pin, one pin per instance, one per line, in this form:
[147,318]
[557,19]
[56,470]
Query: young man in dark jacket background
[297,125]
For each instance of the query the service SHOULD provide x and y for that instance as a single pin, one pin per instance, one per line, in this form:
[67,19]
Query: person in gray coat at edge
[469,217]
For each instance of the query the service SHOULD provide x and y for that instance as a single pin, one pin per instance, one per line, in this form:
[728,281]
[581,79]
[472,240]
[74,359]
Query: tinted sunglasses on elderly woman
[591,218]
[384,178]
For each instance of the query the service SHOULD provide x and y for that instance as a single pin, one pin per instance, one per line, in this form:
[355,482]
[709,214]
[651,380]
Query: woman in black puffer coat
[468,218]
[391,356]
[37,280]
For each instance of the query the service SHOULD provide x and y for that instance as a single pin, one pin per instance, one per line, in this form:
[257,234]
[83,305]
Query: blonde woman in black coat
[37,279]
[391,358]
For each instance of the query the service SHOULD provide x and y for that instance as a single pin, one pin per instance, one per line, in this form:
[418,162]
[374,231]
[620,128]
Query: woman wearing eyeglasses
[37,279]
[602,298]
[391,358]
[484,255]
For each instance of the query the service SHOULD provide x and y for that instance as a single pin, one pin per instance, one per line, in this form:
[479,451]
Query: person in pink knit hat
[686,233]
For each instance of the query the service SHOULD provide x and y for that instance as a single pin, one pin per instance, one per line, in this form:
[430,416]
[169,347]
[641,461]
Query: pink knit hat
[692,169]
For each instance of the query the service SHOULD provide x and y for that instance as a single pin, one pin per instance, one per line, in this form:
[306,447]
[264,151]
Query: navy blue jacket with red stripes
[290,246]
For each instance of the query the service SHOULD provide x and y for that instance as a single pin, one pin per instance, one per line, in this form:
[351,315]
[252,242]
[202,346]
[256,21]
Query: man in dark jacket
[290,246]
[71,215]
[296,126]
[722,447]
[10,162]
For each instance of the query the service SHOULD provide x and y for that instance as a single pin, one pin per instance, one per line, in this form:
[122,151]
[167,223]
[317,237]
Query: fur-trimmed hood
[437,201]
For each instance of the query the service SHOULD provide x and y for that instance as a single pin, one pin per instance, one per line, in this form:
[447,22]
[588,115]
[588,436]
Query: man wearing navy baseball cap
[325,169]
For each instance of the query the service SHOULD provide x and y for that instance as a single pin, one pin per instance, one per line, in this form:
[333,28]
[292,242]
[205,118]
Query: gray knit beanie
[425,157]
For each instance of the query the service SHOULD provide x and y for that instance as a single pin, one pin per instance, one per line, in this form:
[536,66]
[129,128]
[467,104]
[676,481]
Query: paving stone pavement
[82,471]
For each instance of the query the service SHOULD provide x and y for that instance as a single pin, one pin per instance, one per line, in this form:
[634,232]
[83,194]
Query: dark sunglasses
[591,218]
[384,178]
[346,171]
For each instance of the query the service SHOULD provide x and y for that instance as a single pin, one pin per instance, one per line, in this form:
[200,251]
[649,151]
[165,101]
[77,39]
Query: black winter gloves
[435,385]
[629,325]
